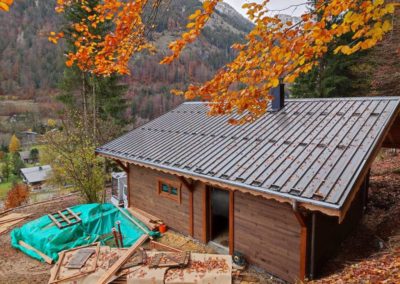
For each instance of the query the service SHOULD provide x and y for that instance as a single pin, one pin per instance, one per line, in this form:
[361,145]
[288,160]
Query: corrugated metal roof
[311,151]
[36,174]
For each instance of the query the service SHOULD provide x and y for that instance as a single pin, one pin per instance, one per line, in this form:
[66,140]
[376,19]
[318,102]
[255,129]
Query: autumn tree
[99,98]
[5,5]
[14,145]
[273,49]
[17,195]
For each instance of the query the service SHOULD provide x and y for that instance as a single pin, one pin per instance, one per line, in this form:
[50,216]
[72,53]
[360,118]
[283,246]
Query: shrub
[17,196]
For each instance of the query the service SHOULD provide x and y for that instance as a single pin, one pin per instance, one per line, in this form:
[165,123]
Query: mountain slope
[31,67]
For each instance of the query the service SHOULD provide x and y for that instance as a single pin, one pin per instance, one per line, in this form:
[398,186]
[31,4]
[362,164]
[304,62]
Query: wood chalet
[283,191]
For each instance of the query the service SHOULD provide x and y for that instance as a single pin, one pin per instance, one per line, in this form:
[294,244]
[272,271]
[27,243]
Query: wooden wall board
[268,234]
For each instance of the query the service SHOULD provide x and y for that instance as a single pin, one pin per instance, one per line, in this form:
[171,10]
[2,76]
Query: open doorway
[219,216]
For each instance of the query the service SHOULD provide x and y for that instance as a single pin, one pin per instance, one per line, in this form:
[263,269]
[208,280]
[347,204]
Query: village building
[28,138]
[283,191]
[28,158]
[36,177]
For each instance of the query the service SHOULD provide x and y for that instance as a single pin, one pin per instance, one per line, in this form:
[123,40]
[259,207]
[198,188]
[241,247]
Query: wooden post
[205,214]
[128,185]
[191,214]
[190,187]
[303,245]
[231,222]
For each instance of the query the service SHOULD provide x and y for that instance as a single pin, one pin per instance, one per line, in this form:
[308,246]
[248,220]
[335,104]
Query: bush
[17,196]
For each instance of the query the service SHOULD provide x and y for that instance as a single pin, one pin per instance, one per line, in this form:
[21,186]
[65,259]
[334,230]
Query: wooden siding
[199,188]
[268,234]
[144,195]
[329,233]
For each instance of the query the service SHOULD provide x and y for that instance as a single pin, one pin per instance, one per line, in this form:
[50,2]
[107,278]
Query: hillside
[31,67]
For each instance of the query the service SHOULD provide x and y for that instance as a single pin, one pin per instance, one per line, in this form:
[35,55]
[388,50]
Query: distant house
[26,157]
[28,138]
[283,191]
[36,177]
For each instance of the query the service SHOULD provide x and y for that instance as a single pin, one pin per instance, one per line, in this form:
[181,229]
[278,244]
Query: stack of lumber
[9,221]
[133,265]
[149,220]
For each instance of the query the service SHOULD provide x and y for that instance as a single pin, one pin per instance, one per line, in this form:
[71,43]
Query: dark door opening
[219,216]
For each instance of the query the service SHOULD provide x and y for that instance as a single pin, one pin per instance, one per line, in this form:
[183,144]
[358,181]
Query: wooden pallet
[65,218]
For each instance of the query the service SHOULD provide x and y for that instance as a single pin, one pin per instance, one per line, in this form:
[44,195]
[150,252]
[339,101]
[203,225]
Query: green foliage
[6,169]
[16,164]
[103,96]
[71,154]
[337,75]
[34,154]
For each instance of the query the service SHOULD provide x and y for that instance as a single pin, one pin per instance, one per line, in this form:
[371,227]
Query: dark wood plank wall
[199,189]
[268,233]
[329,233]
[144,195]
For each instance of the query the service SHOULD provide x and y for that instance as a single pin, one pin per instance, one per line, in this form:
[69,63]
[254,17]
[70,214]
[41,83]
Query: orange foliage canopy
[273,49]
[5,5]
[17,196]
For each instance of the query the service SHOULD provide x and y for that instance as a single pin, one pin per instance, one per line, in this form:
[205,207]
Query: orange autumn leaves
[273,49]
[5,5]
[108,54]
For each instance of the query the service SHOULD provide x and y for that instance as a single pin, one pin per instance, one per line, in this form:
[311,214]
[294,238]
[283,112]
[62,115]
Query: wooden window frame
[170,184]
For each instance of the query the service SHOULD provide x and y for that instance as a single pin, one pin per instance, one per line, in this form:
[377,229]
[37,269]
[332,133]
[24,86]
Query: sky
[273,5]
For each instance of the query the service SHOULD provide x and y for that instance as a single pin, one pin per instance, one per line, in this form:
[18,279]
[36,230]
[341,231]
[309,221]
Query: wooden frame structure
[65,220]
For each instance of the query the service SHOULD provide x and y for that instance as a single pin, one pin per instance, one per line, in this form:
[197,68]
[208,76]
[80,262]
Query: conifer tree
[97,98]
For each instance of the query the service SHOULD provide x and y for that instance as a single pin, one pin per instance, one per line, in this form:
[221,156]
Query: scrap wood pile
[45,237]
[102,264]
[7,222]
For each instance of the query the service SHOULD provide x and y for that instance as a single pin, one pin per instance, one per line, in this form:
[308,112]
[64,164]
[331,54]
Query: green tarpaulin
[97,223]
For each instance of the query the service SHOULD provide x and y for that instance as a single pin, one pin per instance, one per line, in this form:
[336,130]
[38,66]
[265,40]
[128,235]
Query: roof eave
[312,205]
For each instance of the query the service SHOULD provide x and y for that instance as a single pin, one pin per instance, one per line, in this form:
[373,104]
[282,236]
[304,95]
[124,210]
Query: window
[170,190]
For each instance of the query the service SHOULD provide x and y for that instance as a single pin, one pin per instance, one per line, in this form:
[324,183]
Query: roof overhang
[328,209]
[390,132]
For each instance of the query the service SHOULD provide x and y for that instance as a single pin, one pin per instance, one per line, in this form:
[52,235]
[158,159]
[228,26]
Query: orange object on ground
[162,228]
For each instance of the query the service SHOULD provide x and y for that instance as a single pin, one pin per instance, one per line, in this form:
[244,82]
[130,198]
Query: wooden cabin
[283,191]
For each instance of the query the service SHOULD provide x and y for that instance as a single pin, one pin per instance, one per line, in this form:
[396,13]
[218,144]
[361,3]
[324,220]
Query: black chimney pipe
[278,97]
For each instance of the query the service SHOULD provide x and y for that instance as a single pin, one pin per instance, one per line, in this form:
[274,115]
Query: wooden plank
[76,216]
[41,254]
[55,221]
[231,222]
[13,217]
[64,217]
[148,222]
[121,261]
[163,247]
[146,231]
[54,278]
[4,228]
[303,246]
[191,213]
[205,214]
[79,258]
[128,184]
[3,222]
